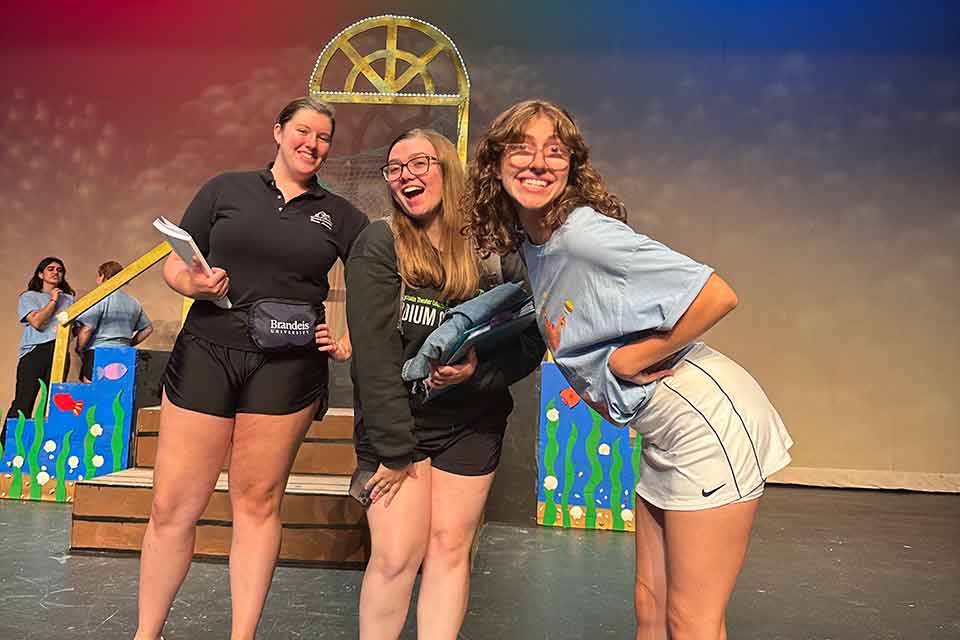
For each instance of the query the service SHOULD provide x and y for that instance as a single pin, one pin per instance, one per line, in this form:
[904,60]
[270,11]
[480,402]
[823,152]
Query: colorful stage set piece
[587,467]
[86,432]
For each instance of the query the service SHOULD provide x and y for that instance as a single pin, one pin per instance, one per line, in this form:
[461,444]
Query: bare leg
[264,447]
[190,452]
[399,539]
[650,586]
[456,507]
[705,552]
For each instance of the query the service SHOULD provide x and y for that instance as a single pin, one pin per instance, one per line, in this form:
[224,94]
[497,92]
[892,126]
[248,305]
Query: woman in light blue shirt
[47,294]
[621,314]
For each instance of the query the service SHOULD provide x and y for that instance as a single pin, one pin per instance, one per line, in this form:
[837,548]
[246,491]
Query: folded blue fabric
[441,343]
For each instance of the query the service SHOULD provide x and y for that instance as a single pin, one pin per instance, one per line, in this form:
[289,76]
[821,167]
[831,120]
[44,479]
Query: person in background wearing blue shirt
[47,294]
[621,312]
[116,321]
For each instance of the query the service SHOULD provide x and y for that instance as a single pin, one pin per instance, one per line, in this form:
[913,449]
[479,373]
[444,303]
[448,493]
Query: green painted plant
[549,458]
[16,486]
[616,488]
[62,467]
[635,463]
[33,458]
[569,471]
[596,471]
[88,441]
[116,441]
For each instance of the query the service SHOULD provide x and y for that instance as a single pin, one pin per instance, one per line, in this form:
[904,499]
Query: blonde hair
[491,215]
[454,269]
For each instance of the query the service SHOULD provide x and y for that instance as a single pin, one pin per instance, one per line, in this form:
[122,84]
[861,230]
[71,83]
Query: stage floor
[835,564]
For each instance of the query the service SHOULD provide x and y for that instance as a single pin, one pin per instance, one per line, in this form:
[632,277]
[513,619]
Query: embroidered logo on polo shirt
[322,217]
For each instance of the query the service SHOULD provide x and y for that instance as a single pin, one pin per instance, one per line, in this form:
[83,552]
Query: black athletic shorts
[464,450]
[221,381]
[86,365]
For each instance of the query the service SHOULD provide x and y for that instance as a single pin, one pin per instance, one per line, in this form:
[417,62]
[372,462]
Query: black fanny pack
[283,325]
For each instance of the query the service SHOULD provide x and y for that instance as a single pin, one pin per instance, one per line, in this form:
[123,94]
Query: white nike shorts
[710,436]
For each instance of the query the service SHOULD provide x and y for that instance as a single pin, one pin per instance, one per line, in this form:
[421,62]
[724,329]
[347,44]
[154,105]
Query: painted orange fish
[569,397]
[65,402]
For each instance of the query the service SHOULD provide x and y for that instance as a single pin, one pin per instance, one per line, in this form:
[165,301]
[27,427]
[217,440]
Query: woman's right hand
[54,295]
[386,482]
[203,286]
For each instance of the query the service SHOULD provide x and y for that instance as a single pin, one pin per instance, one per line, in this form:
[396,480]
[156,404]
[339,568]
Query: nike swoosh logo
[707,494]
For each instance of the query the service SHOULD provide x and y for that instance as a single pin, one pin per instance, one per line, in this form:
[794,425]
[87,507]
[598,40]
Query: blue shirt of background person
[29,302]
[116,321]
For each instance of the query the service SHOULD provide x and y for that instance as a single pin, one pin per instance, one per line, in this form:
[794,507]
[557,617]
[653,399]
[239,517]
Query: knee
[395,565]
[170,511]
[451,543]
[256,501]
[649,609]
[689,621]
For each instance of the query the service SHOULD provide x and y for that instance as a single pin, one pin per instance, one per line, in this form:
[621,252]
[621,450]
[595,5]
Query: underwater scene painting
[587,468]
[85,433]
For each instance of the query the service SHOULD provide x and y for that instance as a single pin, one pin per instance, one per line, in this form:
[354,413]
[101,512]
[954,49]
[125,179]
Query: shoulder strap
[491,270]
[403,284]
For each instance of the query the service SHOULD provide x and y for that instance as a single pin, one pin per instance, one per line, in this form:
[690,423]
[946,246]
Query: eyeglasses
[521,155]
[417,166]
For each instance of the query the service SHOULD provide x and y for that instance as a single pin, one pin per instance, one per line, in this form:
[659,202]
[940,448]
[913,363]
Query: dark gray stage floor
[824,564]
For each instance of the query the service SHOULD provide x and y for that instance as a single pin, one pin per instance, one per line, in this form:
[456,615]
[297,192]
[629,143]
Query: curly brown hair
[490,212]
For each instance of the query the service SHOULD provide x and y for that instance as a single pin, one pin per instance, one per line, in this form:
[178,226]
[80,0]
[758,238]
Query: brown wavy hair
[454,269]
[490,212]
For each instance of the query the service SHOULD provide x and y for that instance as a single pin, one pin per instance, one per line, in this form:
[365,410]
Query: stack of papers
[184,246]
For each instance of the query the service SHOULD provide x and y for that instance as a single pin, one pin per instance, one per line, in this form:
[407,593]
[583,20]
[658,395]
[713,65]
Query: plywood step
[322,524]
[327,448]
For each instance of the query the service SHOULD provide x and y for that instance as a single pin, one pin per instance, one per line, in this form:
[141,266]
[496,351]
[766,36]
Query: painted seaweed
[549,460]
[88,442]
[33,458]
[569,471]
[117,440]
[616,488]
[16,486]
[62,456]
[596,471]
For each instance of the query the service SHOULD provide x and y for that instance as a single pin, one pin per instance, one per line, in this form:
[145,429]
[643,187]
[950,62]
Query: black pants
[33,367]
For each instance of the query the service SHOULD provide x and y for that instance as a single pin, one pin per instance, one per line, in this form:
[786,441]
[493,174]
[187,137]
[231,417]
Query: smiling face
[535,187]
[419,196]
[303,143]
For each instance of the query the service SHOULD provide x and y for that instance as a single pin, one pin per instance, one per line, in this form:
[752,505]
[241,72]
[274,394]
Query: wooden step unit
[327,448]
[322,524]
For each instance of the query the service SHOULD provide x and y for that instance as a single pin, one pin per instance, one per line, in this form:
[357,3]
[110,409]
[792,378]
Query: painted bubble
[73,461]
[98,461]
[553,415]
[627,515]
[43,478]
[604,449]
[18,462]
[49,446]
[576,512]
[550,483]
[96,430]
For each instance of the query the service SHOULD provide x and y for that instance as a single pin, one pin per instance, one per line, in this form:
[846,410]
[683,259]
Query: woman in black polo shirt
[273,233]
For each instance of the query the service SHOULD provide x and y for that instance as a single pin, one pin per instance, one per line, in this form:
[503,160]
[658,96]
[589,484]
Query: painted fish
[113,371]
[569,397]
[65,402]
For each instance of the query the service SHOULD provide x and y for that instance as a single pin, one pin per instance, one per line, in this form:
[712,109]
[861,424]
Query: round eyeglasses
[522,154]
[417,166]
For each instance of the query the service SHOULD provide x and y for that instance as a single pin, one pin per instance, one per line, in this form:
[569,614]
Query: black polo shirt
[268,247]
